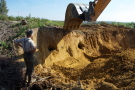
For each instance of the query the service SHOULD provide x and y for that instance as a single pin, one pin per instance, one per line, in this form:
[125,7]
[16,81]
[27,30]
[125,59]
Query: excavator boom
[76,13]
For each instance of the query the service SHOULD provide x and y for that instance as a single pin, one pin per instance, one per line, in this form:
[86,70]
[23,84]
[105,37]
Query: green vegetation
[3,8]
[19,30]
[3,17]
[124,24]
[3,44]
[33,22]
[130,25]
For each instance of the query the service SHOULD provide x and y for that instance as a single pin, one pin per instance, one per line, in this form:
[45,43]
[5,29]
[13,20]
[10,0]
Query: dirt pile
[96,57]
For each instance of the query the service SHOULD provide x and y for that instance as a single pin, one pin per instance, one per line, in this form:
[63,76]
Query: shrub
[11,18]
[3,17]
[3,44]
[130,25]
[19,18]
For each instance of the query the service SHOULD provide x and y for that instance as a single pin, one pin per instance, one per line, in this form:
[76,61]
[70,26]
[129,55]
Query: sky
[117,10]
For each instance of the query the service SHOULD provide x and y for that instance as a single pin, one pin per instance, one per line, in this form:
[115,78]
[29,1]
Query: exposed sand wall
[56,44]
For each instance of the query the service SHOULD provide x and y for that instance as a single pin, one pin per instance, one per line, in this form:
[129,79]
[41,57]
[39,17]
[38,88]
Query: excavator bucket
[76,13]
[71,18]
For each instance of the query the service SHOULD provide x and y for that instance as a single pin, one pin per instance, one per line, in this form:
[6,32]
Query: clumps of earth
[96,57]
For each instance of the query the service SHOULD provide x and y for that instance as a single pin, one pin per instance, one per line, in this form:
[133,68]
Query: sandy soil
[96,57]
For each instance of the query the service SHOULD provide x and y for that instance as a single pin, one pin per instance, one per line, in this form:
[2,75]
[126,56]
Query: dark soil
[8,32]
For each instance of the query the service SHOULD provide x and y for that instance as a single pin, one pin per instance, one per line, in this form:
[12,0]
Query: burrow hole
[81,46]
[52,48]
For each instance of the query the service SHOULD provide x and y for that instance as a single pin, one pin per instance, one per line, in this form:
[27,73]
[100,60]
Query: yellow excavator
[76,13]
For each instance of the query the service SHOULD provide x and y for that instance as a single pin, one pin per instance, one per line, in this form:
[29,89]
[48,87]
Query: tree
[3,7]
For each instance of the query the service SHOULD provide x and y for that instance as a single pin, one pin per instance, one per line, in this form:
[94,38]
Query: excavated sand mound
[96,57]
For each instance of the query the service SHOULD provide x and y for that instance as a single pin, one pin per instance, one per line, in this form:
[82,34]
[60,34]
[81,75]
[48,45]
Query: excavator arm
[76,13]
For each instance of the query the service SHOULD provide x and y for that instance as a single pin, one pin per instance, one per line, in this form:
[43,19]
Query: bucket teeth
[73,24]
